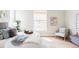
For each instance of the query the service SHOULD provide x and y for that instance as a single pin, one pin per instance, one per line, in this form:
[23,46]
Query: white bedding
[33,41]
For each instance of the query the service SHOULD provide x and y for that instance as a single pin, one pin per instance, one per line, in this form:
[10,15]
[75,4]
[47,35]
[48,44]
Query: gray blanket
[19,40]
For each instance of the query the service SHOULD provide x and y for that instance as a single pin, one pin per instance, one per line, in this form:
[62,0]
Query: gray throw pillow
[5,33]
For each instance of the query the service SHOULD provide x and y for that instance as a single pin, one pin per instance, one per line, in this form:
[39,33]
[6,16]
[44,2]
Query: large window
[77,23]
[12,18]
[40,20]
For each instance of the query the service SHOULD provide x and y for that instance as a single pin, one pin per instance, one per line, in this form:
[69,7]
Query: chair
[62,32]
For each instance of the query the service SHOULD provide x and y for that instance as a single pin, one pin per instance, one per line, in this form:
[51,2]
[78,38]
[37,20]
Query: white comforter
[33,41]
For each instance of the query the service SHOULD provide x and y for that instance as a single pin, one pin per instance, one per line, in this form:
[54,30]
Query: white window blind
[11,21]
[40,20]
[77,23]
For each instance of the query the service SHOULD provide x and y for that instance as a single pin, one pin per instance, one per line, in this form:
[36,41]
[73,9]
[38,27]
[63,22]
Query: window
[77,23]
[12,18]
[40,20]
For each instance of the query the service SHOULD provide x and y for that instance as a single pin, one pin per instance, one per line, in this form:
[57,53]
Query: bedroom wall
[60,14]
[70,20]
[26,17]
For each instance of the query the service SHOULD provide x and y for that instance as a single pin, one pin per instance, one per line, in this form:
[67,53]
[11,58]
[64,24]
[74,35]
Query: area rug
[52,42]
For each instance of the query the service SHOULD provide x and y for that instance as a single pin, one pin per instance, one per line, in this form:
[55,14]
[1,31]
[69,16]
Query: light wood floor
[50,42]
[53,42]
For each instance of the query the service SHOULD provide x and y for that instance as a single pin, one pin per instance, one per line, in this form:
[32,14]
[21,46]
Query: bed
[33,41]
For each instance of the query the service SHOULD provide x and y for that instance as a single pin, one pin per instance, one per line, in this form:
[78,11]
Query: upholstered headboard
[3,25]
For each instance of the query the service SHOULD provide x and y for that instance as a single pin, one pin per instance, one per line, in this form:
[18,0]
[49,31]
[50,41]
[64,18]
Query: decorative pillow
[5,33]
[12,32]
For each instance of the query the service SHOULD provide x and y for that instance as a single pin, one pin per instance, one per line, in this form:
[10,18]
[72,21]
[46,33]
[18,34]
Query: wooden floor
[50,42]
[53,42]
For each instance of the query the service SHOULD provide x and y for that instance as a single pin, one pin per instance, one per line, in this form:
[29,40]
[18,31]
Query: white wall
[26,17]
[71,20]
[60,19]
[60,14]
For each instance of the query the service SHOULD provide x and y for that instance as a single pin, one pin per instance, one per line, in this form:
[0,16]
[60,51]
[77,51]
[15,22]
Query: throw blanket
[19,40]
[32,41]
